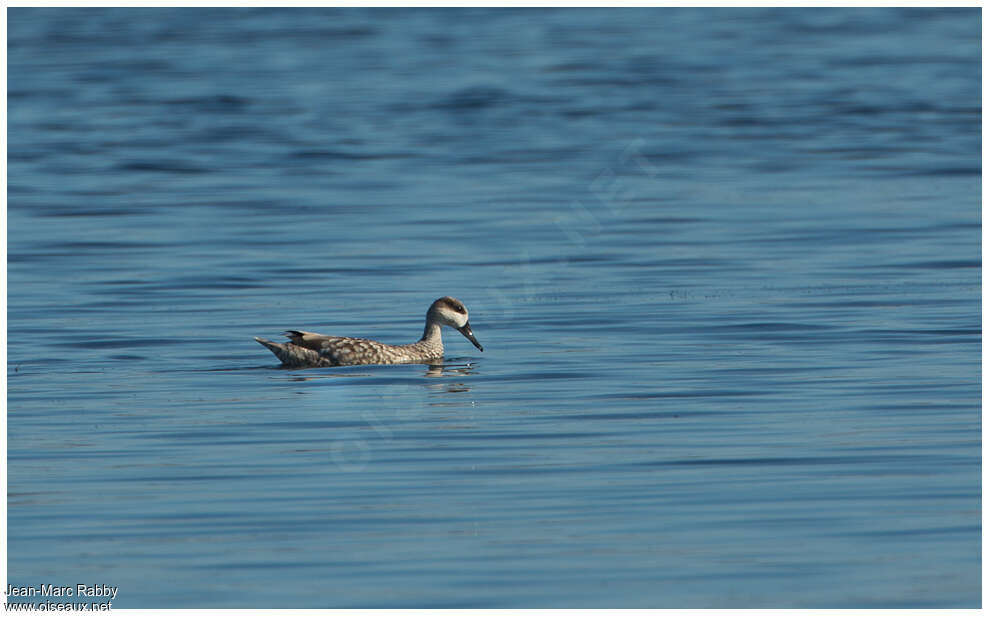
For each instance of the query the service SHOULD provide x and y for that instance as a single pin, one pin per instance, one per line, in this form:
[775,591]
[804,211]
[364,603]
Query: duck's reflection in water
[450,370]
[459,369]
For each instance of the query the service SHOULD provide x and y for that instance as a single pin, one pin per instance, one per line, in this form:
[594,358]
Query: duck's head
[448,311]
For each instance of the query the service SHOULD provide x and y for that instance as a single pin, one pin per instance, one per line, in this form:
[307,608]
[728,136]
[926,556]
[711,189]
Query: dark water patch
[681,394]
[522,436]
[647,415]
[571,67]
[695,262]
[859,152]
[960,225]
[97,245]
[171,479]
[309,425]
[280,564]
[217,103]
[90,343]
[523,471]
[385,270]
[776,369]
[907,171]
[474,98]
[946,264]
[914,334]
[17,453]
[924,406]
[903,107]
[96,212]
[221,431]
[558,260]
[668,220]
[794,461]
[612,81]
[764,327]
[189,283]
[315,32]
[533,155]
[236,133]
[900,60]
[879,304]
[36,363]
[342,155]
[162,166]
[916,533]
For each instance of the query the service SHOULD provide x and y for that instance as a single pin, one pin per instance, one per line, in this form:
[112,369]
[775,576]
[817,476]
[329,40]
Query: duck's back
[310,348]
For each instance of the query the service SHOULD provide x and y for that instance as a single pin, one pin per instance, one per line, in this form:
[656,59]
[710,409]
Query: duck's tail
[293,355]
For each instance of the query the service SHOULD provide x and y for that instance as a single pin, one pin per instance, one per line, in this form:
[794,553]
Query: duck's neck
[431,333]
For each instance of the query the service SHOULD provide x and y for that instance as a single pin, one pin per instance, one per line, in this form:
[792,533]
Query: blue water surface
[725,265]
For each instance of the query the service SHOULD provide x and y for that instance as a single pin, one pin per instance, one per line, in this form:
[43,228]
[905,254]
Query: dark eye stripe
[454,305]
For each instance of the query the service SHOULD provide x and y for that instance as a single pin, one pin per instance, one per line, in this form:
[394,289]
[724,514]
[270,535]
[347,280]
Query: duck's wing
[295,355]
[317,342]
[339,350]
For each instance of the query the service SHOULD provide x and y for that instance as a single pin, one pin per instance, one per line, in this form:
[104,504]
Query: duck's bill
[466,331]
